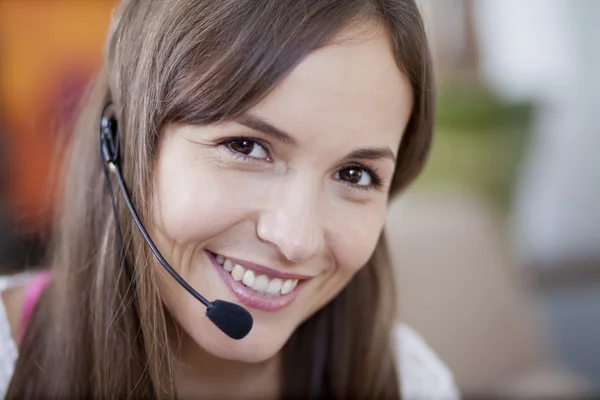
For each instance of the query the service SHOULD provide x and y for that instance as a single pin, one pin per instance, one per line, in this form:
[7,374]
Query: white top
[422,374]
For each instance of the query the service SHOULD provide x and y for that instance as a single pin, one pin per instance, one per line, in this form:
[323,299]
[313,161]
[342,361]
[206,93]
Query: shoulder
[422,373]
[12,294]
[12,297]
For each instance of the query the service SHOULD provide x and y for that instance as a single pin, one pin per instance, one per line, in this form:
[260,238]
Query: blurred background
[497,246]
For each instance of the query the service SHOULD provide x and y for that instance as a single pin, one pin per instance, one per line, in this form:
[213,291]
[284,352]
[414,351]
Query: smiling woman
[261,142]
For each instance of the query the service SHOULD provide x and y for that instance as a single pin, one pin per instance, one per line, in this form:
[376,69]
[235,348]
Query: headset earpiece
[109,136]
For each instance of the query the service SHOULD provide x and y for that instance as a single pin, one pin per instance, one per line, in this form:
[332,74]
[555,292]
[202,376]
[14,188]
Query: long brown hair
[96,332]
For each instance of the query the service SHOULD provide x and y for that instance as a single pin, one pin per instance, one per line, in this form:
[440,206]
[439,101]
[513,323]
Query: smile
[255,286]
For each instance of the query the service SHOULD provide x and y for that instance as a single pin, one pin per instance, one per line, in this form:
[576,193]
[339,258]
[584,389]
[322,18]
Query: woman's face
[278,209]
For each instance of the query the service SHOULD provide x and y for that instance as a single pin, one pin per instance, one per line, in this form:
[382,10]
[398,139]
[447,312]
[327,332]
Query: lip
[252,298]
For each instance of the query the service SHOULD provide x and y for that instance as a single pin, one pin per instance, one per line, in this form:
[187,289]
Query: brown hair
[96,333]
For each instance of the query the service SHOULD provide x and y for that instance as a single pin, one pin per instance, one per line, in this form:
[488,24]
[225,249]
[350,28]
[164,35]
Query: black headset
[232,319]
[109,136]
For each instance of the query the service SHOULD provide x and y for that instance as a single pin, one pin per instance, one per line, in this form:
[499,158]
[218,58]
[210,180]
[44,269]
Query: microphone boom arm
[155,251]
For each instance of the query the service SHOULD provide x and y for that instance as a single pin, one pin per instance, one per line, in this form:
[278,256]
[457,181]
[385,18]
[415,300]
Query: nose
[291,223]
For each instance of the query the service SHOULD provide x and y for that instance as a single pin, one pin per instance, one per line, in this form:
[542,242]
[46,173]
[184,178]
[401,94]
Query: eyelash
[226,143]
[376,181]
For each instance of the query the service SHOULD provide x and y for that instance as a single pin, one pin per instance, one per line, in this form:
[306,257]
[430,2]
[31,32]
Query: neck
[199,374]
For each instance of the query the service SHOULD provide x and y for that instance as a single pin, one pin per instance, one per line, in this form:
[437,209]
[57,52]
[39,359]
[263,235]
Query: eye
[247,148]
[357,176]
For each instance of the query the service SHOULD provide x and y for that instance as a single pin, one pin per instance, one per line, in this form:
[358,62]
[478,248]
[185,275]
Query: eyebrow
[260,125]
[376,153]
[263,126]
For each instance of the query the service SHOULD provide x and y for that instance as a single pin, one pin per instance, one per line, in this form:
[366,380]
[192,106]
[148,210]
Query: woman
[260,142]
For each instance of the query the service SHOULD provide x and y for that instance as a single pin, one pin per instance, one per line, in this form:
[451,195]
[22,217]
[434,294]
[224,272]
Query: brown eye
[351,175]
[248,148]
[355,175]
[243,146]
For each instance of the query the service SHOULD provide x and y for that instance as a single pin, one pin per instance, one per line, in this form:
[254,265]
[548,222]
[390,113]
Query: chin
[261,344]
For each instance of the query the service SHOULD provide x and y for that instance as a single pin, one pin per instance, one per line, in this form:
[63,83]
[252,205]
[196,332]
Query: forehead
[350,88]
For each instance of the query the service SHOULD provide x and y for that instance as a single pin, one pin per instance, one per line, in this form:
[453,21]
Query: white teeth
[238,272]
[286,287]
[260,283]
[248,279]
[274,286]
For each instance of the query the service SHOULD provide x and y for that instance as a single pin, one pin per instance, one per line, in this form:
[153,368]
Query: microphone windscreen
[234,320]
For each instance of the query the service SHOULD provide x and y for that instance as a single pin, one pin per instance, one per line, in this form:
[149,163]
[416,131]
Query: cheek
[190,201]
[355,239]
[351,245]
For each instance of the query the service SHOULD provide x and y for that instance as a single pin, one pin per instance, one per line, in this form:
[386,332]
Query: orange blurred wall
[49,49]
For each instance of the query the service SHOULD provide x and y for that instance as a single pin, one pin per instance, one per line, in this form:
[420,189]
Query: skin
[287,206]
[13,300]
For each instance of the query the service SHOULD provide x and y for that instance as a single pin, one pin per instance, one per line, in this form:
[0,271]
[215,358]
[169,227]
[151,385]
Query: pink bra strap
[32,294]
